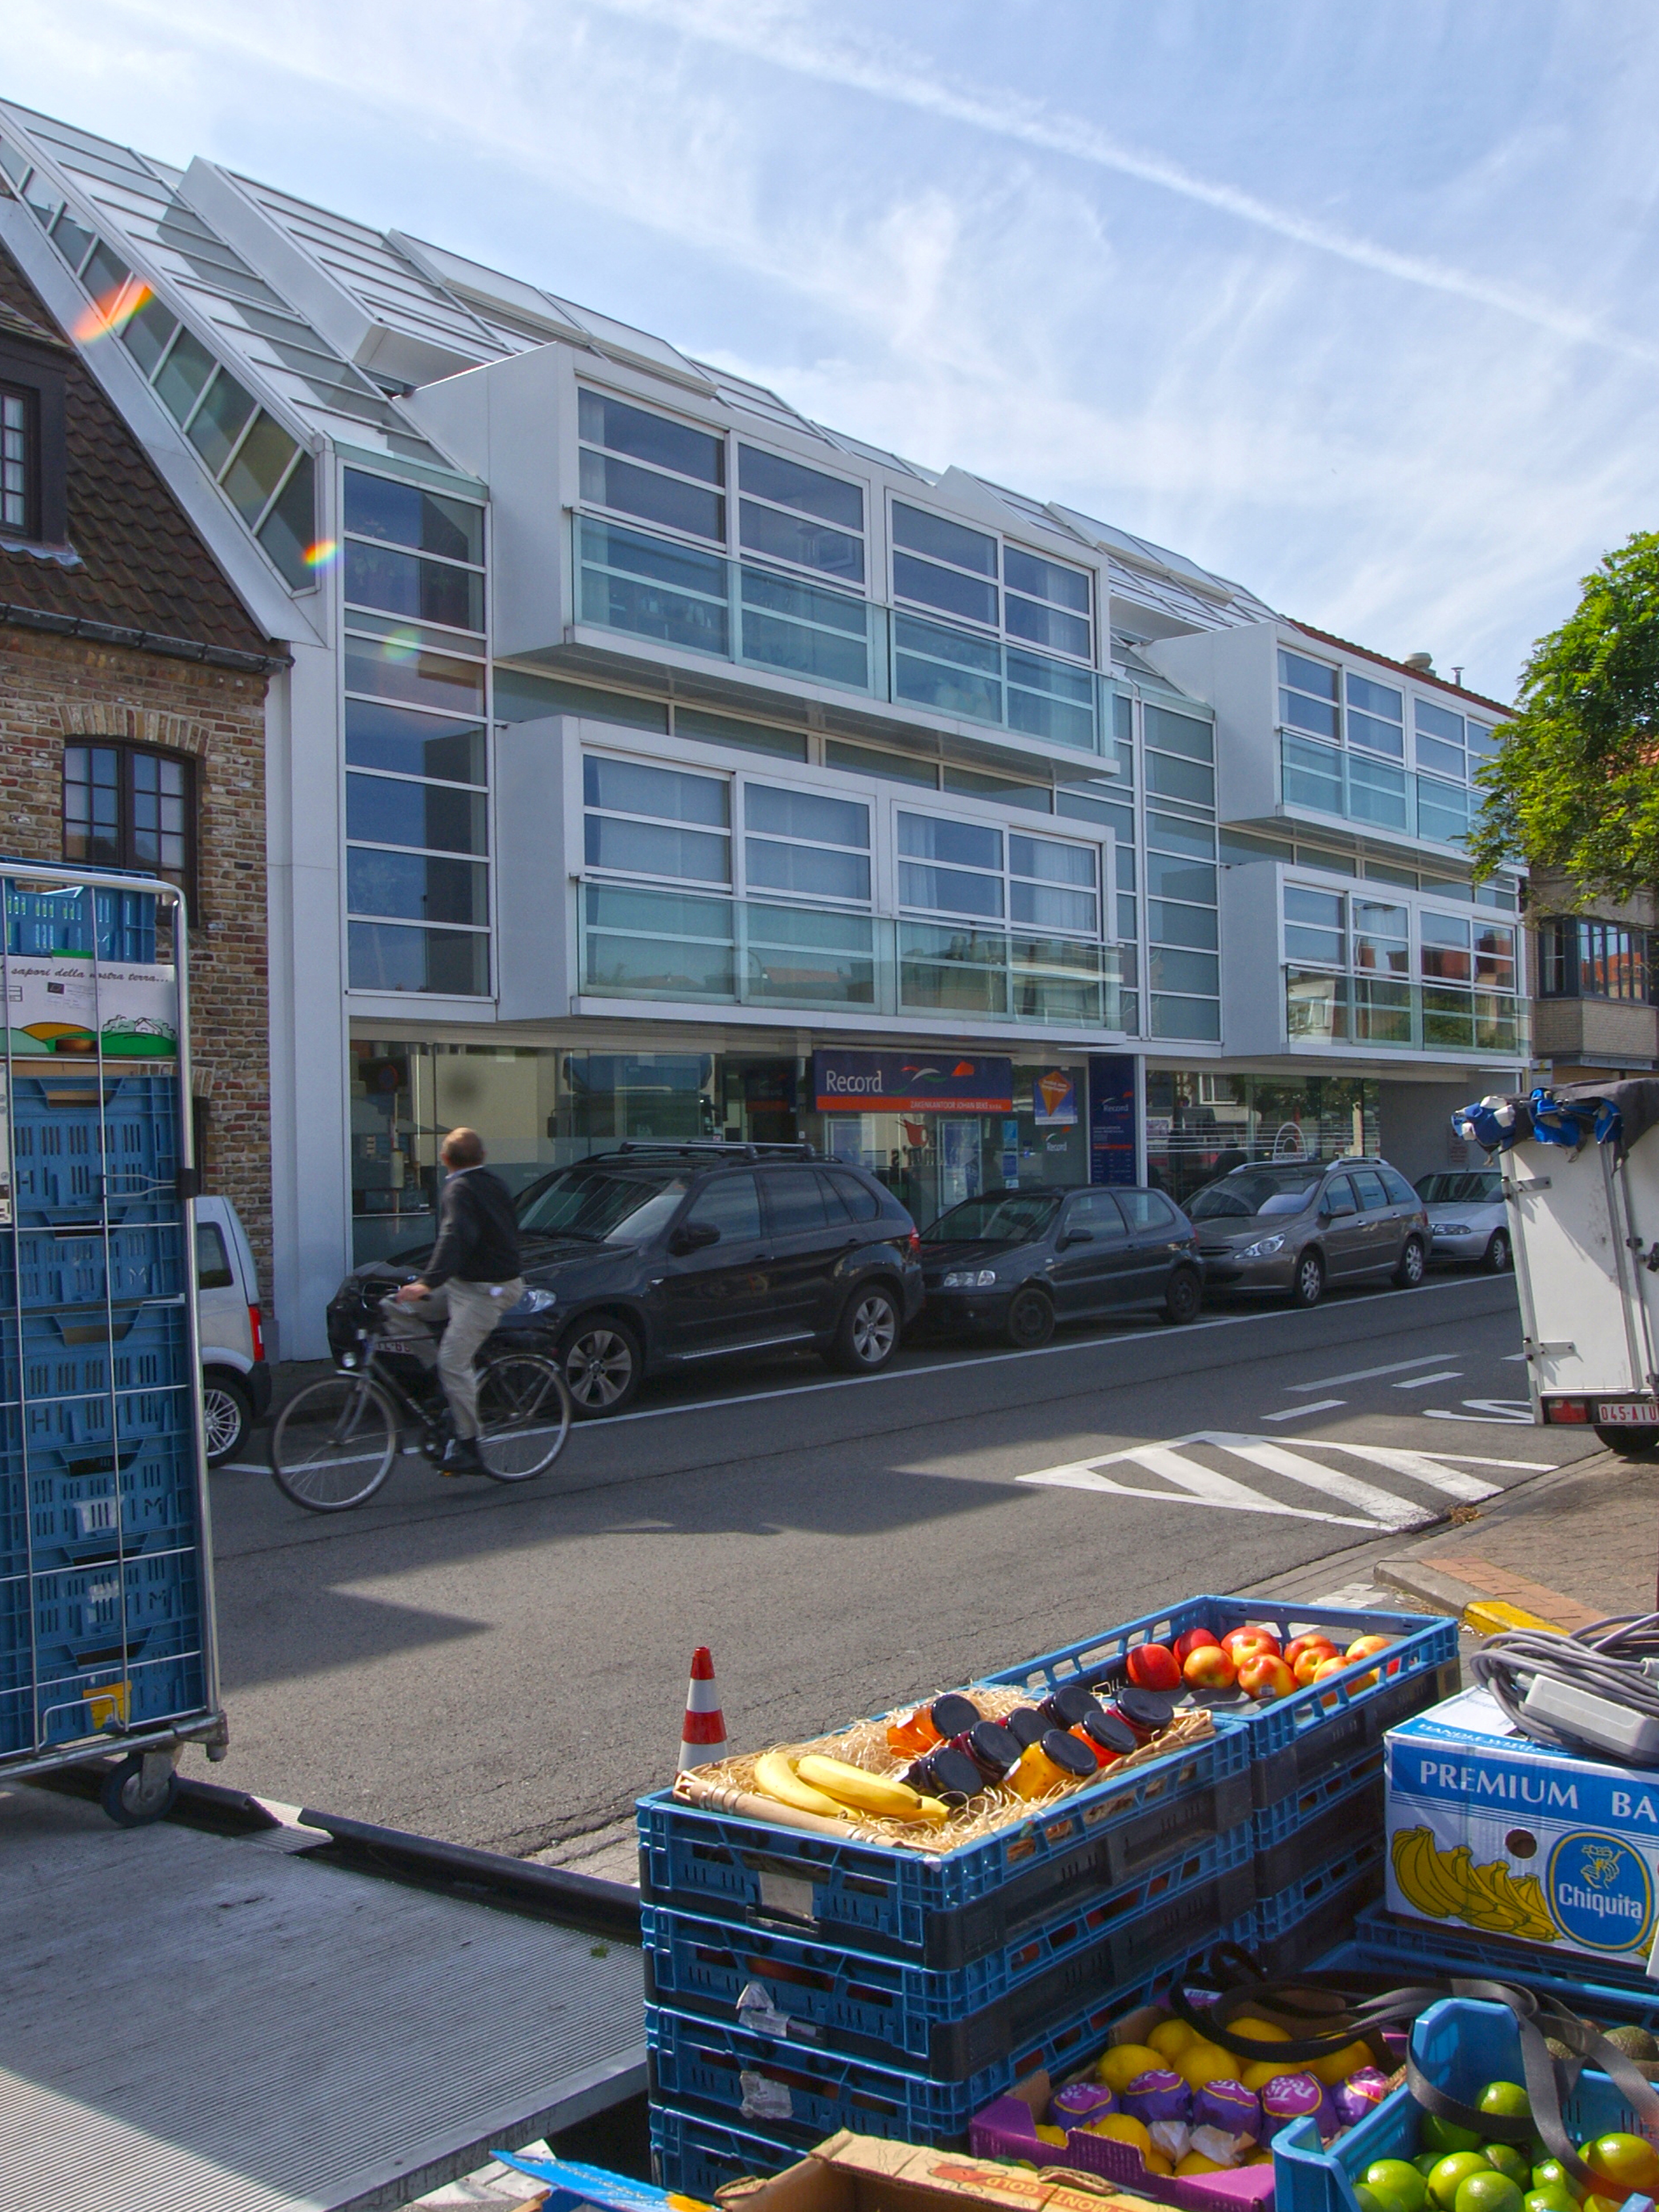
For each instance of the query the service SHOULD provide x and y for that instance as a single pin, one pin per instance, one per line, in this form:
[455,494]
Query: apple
[1364,1646]
[1299,1644]
[1154,1667]
[1194,1639]
[1265,1676]
[1240,1641]
[1208,1667]
[1308,1661]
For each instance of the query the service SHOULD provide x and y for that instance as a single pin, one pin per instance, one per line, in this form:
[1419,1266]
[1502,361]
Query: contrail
[893,76]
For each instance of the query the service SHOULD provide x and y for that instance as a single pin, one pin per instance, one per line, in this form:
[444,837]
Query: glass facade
[1201,1123]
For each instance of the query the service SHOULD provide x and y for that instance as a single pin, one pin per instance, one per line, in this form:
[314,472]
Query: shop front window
[1201,1125]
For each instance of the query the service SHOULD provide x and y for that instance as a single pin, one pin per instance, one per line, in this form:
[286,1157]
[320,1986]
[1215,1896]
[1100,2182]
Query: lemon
[1123,2127]
[1203,2062]
[1123,2062]
[1170,2038]
[1338,2064]
[1256,2031]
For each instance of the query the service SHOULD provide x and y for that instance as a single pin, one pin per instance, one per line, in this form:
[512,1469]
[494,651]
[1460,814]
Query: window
[1315,927]
[1337,1196]
[1146,1210]
[801,842]
[417,758]
[126,807]
[1580,958]
[639,463]
[1047,604]
[1180,757]
[944,565]
[1369,1189]
[732,1205]
[656,822]
[1376,716]
[20,461]
[1053,886]
[1400,1191]
[1096,1212]
[213,1268]
[1307,695]
[1444,952]
[1439,740]
[950,867]
[1381,938]
[795,1202]
[790,513]
[860,1201]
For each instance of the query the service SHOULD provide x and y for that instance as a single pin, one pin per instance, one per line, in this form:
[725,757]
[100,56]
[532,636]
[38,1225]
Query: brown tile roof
[1400,668]
[142,565]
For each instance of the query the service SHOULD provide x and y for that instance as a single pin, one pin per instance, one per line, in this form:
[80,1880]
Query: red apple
[1363,1646]
[1299,1644]
[1308,1661]
[1195,1639]
[1265,1677]
[1154,1667]
[1207,1666]
[1239,1641]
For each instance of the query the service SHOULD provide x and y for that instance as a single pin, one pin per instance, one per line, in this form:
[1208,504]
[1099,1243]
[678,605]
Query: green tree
[1575,786]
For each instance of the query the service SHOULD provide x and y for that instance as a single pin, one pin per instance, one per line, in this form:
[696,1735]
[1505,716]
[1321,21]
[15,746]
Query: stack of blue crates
[102,1603]
[796,1984]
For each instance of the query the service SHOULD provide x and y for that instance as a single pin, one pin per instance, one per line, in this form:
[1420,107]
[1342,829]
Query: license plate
[1627,1417]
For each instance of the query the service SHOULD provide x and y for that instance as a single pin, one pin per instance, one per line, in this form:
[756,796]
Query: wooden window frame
[185,877]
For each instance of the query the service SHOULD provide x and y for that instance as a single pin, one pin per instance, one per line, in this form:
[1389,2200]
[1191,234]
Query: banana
[775,1777]
[1490,1905]
[1419,1868]
[1529,1893]
[878,1794]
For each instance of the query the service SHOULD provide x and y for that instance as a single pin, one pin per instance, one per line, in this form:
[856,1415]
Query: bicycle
[333,1443]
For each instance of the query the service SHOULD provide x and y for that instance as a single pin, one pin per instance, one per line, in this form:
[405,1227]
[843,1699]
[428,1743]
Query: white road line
[1366,1374]
[1197,1485]
[1384,1508]
[1511,1358]
[1516,1412]
[1421,1468]
[1422,1381]
[1301,1413]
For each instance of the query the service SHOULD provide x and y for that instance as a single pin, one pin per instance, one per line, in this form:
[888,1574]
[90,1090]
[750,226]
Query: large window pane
[1186,779]
[1376,793]
[404,515]
[807,871]
[148,330]
[652,438]
[436,816]
[421,889]
[1379,699]
[1304,713]
[1381,937]
[186,370]
[1045,580]
[387,670]
[1046,626]
[1377,737]
[793,538]
[1437,722]
[676,596]
[807,814]
[630,787]
[1438,759]
[1312,776]
[789,624]
[1445,947]
[1170,833]
[1198,972]
[448,963]
[945,541]
[1170,732]
[947,589]
[1038,797]
[1167,924]
[288,532]
[1046,906]
[220,420]
[1180,879]
[258,468]
[787,484]
[949,890]
[935,837]
[1049,861]
[402,584]
[380,736]
[1197,1018]
[652,848]
[608,482]
[1306,675]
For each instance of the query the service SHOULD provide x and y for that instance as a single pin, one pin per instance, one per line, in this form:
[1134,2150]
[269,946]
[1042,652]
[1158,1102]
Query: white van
[235,1380]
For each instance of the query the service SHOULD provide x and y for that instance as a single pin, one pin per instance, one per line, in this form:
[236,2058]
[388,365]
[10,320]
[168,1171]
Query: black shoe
[461,1457]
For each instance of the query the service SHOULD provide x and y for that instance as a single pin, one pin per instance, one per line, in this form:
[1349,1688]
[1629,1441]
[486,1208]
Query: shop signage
[911,1082]
[1054,1097]
[1111,1117]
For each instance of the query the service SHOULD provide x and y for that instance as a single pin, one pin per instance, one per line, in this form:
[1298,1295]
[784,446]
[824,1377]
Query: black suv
[655,1257]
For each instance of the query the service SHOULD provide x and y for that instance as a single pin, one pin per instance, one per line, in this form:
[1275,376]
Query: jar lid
[952,1773]
[1071,1703]
[953,1714]
[1026,1725]
[1145,1708]
[1111,1732]
[1067,1753]
[994,1747]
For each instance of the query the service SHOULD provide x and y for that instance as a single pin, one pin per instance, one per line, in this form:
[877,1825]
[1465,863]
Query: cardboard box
[862,2174]
[1523,1842]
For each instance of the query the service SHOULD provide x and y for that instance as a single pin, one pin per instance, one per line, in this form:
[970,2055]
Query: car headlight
[534,1302]
[1261,1247]
[1451,1229]
[969,1279]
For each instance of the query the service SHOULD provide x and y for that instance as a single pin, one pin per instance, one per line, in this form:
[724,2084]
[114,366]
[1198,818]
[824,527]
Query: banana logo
[1446,1886]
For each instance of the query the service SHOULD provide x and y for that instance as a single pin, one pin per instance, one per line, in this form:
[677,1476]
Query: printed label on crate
[58,1003]
[1491,1831]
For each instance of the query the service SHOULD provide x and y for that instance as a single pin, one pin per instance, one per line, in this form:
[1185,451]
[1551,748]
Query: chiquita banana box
[1490,1832]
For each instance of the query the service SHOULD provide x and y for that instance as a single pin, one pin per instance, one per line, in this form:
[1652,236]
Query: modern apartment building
[656,763]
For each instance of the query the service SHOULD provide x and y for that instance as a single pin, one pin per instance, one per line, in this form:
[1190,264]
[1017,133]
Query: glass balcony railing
[1330,779]
[641,943]
[646,586]
[1389,1016]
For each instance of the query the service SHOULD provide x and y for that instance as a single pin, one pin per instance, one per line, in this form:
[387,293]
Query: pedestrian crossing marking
[1195,1482]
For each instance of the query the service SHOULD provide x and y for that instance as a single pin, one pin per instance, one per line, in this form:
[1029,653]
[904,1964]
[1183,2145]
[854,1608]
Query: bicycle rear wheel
[523,1415]
[333,1444]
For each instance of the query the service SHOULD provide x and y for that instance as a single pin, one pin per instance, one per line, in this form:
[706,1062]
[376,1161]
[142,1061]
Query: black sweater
[477,1231]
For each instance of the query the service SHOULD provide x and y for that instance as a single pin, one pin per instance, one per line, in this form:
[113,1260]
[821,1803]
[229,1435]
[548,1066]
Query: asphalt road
[508,1666]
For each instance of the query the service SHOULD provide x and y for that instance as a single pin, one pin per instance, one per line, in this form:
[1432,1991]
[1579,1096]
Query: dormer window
[20,461]
[32,489]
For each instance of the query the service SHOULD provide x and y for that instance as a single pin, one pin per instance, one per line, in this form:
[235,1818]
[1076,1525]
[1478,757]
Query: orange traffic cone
[703,1739]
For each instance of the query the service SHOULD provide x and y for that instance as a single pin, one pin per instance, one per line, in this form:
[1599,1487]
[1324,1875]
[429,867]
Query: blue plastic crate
[695,2156]
[109,1615]
[86,1147]
[80,1429]
[1460,2045]
[94,1701]
[1295,1739]
[88,1351]
[1635,2005]
[43,1267]
[946,2024]
[1301,1832]
[109,1505]
[118,926]
[946,1908]
[1460,1951]
[1290,1930]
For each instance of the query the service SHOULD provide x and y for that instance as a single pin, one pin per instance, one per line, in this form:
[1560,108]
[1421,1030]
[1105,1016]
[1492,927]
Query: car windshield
[998,1217]
[1468,1186]
[600,1205]
[1248,1192]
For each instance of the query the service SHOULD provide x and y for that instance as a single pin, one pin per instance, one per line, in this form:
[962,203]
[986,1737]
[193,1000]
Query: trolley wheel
[133,1802]
[523,1415]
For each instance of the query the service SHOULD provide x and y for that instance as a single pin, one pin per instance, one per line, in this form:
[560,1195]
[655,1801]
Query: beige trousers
[467,1313]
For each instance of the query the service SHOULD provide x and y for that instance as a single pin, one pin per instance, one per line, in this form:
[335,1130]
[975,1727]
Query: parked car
[1014,1262]
[1297,1226]
[235,1380]
[1467,1220]
[657,1257]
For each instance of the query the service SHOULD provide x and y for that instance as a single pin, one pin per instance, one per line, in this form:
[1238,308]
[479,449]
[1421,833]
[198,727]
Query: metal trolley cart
[106,1623]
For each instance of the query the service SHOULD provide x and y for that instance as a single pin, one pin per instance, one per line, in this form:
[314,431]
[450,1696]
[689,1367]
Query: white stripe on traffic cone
[703,1738]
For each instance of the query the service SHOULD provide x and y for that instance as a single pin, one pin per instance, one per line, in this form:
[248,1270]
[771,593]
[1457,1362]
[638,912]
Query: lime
[1548,2200]
[1397,2177]
[1452,2172]
[1426,2160]
[1550,2173]
[1368,2199]
[1445,2135]
[1490,2192]
[1626,2163]
[1509,2159]
[1508,2100]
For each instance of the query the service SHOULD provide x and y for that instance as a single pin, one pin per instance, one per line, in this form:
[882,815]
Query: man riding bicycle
[471,1282]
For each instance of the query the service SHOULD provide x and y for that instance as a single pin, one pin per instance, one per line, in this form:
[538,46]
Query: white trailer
[1584,1219]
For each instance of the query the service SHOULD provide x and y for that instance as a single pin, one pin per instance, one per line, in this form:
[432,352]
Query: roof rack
[709,1147]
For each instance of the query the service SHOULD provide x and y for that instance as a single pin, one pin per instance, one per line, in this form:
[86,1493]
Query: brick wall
[56,689]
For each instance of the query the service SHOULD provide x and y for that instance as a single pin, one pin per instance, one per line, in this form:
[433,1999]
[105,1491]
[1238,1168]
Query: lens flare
[323,554]
[111,312]
[402,644]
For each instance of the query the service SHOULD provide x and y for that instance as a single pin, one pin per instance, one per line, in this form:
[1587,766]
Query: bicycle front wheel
[333,1444]
[523,1415]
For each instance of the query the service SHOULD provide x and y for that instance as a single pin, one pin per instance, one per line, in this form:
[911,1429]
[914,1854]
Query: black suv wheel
[603,1363]
[868,1335]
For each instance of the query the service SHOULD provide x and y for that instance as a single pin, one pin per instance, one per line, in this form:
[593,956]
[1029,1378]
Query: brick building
[132,704]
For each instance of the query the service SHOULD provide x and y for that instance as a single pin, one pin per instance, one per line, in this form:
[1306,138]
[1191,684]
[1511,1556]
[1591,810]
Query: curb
[1417,1580]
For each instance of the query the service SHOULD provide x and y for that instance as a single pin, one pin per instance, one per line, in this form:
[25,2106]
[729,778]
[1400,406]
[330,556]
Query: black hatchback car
[1014,1262]
[654,1257]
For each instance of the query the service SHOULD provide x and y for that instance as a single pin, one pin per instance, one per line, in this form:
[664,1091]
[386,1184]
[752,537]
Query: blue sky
[1351,304]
